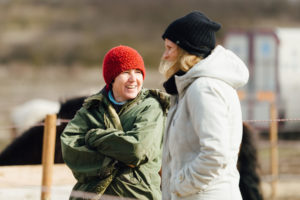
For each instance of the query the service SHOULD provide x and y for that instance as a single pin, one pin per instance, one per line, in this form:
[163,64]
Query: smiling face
[127,85]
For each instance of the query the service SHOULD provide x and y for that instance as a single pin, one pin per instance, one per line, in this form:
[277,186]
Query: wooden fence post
[274,149]
[48,155]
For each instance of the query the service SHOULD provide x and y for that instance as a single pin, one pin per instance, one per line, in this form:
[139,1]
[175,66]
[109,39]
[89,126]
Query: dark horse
[248,165]
[27,150]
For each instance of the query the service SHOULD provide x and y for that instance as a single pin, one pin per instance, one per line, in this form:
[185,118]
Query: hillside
[79,32]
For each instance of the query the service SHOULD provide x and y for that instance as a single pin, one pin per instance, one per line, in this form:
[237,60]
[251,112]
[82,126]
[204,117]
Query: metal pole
[48,155]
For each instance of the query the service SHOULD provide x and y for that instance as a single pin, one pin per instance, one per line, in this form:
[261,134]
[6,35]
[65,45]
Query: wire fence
[57,193]
[62,121]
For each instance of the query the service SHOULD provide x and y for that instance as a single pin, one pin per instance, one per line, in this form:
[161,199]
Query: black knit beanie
[194,33]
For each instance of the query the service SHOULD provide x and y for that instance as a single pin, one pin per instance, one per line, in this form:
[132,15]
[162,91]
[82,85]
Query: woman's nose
[165,55]
[132,76]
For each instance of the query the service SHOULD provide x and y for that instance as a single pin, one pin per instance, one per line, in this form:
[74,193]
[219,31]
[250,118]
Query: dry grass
[73,32]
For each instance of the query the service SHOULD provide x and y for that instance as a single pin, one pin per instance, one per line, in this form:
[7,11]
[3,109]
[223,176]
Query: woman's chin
[131,94]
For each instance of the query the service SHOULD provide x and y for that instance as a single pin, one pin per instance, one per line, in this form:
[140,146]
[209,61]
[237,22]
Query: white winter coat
[204,131]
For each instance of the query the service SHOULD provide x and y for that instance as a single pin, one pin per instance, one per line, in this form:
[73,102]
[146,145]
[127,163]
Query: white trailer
[273,59]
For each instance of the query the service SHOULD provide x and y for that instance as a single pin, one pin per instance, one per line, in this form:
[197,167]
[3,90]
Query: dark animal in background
[248,165]
[27,148]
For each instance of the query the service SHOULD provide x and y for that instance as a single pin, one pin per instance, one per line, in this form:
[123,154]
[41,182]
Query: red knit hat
[119,59]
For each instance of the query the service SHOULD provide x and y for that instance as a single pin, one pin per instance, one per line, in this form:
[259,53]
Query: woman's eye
[138,71]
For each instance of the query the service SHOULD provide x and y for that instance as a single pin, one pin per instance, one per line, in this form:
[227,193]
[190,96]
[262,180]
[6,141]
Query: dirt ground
[19,84]
[288,184]
[14,184]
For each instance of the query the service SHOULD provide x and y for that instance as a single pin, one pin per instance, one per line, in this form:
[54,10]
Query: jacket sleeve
[209,115]
[82,160]
[136,146]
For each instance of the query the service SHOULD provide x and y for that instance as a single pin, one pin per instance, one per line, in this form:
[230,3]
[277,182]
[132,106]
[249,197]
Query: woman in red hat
[113,145]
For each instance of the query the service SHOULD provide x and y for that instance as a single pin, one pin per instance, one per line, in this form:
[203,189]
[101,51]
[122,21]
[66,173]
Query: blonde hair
[185,61]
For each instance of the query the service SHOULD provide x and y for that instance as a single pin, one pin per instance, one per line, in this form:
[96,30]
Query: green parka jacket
[99,145]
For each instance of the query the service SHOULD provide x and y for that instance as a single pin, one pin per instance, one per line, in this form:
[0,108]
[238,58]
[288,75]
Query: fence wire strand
[61,121]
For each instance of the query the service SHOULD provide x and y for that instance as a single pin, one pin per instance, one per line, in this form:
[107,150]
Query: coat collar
[101,97]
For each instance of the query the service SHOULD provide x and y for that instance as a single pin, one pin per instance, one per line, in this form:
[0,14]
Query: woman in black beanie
[204,126]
